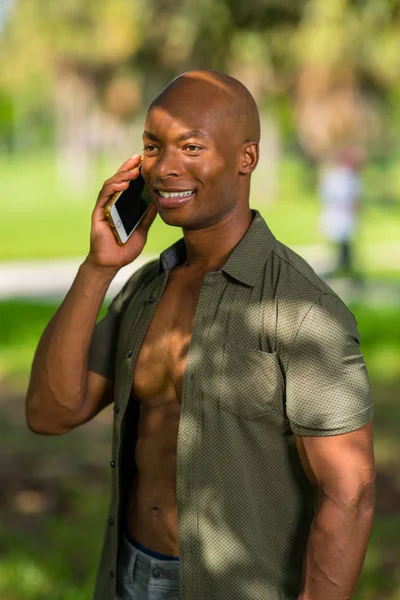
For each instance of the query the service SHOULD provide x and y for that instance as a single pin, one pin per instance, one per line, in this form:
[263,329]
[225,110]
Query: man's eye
[150,149]
[193,148]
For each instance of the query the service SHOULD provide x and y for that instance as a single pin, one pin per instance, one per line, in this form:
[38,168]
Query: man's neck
[208,249]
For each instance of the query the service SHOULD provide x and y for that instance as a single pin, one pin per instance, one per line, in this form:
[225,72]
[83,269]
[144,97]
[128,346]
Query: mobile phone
[126,209]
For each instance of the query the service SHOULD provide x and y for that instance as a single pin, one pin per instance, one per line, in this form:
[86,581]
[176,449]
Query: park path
[51,279]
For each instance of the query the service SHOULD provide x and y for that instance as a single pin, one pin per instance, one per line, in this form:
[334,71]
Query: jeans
[142,577]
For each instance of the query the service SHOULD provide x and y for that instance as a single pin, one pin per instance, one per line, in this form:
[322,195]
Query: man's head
[200,137]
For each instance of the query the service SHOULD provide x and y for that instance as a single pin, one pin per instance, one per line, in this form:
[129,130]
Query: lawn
[42,217]
[54,490]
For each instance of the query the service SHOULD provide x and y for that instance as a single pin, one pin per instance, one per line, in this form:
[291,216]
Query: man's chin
[176,217]
[187,218]
[171,219]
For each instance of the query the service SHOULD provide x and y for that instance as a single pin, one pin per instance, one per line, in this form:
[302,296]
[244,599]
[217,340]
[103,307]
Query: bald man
[242,462]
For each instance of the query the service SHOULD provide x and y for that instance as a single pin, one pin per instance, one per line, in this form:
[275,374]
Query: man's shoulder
[300,294]
[298,288]
[296,276]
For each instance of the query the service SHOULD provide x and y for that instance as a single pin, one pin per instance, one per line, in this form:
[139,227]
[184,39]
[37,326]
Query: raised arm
[62,392]
[341,468]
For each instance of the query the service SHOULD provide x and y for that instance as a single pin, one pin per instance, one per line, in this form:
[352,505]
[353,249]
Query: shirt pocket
[251,382]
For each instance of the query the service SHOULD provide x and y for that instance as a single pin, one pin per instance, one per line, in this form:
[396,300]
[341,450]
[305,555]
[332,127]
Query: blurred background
[75,80]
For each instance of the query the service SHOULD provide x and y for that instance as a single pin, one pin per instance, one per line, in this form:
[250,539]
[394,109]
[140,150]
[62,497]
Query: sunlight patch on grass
[22,577]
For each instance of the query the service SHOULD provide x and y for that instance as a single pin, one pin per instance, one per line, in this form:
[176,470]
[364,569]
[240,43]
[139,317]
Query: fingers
[108,191]
[147,220]
[126,175]
[133,161]
[116,183]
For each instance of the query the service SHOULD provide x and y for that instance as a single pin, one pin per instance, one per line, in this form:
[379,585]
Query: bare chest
[160,364]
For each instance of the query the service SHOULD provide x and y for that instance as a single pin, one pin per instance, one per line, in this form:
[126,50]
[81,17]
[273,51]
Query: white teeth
[175,194]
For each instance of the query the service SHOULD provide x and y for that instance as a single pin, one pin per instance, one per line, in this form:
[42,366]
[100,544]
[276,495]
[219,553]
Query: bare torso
[157,386]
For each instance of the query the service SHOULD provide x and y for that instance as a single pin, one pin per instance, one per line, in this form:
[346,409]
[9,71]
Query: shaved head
[220,95]
[200,141]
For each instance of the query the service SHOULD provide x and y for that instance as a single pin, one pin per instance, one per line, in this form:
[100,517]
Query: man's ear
[249,157]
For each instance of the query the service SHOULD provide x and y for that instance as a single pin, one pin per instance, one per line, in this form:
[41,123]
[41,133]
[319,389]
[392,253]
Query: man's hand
[104,250]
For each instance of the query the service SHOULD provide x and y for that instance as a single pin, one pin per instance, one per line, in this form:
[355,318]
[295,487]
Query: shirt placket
[128,355]
[188,444]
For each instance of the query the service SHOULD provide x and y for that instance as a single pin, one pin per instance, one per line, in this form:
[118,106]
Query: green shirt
[274,351]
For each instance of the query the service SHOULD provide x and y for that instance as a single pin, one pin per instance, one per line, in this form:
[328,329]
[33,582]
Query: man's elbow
[43,428]
[365,501]
[358,501]
[41,423]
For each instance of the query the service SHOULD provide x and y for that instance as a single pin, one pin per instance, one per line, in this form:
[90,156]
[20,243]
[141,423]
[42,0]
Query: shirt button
[116,409]
[156,572]
[112,464]
[150,299]
[128,353]
[110,521]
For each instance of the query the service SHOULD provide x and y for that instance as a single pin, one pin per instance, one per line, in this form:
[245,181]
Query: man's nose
[168,164]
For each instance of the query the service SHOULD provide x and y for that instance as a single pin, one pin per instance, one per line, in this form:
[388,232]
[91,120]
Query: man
[339,191]
[242,463]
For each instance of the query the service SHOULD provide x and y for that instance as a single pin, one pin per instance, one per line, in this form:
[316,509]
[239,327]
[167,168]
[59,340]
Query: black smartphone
[126,209]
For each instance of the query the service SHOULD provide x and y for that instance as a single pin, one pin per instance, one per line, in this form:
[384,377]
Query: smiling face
[193,156]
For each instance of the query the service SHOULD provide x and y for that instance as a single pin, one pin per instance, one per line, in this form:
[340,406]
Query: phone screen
[133,203]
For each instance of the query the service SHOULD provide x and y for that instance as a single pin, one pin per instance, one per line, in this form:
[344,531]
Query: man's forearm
[336,547]
[59,372]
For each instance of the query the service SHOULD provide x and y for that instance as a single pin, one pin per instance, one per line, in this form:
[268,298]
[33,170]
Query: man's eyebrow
[150,135]
[191,134]
[184,136]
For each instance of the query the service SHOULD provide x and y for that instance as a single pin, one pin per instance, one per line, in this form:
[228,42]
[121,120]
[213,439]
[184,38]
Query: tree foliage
[305,50]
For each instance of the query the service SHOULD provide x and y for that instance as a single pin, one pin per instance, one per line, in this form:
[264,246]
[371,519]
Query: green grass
[293,214]
[380,340]
[44,218]
[22,323]
[61,562]
[54,555]
[380,578]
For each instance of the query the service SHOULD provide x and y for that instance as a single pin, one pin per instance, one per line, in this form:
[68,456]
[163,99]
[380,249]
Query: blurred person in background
[242,461]
[340,192]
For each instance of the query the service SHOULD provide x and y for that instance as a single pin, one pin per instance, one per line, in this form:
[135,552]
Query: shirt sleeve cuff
[336,427]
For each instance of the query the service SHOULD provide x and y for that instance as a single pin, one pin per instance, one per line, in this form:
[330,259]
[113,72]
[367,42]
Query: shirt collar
[247,258]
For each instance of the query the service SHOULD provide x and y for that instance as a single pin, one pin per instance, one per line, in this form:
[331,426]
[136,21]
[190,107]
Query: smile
[175,199]
[175,194]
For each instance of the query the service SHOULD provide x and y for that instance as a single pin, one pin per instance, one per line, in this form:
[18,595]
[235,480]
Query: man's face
[190,163]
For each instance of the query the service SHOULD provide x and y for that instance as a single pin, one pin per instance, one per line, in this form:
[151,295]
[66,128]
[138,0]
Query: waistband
[132,560]
[149,552]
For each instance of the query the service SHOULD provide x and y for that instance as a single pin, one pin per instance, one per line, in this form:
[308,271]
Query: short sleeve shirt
[274,352]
